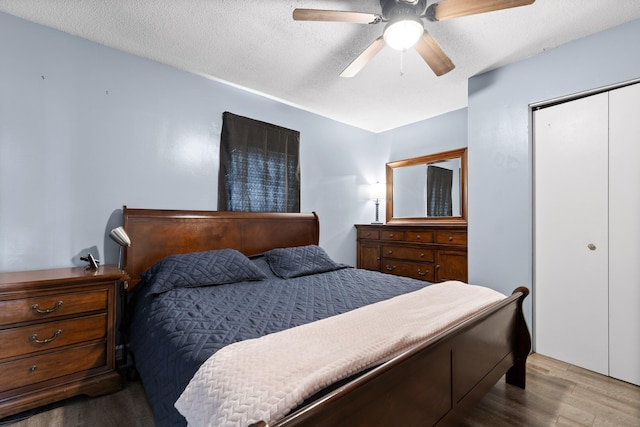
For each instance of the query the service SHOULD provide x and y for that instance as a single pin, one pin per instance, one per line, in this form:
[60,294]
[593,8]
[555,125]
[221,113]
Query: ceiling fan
[405,28]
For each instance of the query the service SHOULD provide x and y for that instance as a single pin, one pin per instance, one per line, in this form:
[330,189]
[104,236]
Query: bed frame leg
[517,374]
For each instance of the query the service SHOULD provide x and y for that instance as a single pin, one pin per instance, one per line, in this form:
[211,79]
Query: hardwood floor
[557,394]
[126,408]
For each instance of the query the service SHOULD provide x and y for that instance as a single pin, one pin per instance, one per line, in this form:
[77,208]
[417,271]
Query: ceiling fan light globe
[403,34]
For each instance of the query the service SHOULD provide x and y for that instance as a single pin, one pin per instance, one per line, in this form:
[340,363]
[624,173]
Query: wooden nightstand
[57,335]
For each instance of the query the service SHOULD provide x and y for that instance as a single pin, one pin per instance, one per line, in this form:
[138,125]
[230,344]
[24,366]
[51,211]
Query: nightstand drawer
[51,306]
[413,254]
[57,335]
[53,365]
[452,238]
[409,269]
[50,335]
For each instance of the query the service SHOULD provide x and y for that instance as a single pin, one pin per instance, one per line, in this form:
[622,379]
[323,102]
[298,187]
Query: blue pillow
[196,269]
[299,261]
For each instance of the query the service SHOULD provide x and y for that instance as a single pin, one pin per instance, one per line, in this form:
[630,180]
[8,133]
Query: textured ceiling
[255,44]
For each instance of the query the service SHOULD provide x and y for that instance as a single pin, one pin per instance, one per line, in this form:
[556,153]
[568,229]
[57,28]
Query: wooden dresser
[57,335]
[434,253]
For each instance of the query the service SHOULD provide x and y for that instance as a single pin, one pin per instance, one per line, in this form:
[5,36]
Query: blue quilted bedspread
[173,333]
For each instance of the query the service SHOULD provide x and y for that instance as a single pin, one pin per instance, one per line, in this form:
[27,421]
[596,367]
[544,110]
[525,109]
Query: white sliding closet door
[571,225]
[624,234]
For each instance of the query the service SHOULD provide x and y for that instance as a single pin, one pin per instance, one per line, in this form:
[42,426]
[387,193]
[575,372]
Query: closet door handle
[591,246]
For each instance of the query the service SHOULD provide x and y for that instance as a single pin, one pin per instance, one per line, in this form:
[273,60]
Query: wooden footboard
[435,383]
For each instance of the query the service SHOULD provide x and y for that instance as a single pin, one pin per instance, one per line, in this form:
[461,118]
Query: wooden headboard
[156,234]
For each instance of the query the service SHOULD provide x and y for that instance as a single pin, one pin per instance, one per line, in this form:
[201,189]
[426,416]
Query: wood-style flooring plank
[559,394]
[126,408]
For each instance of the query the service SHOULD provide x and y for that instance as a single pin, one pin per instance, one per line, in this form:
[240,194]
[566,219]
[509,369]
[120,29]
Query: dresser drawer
[413,254]
[409,269]
[50,335]
[392,235]
[419,236]
[451,238]
[369,234]
[35,369]
[51,306]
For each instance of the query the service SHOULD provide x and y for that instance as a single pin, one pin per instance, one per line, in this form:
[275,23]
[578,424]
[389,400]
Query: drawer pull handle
[34,337]
[390,268]
[56,306]
[422,273]
[33,368]
[421,255]
[450,238]
[390,252]
[391,235]
[418,237]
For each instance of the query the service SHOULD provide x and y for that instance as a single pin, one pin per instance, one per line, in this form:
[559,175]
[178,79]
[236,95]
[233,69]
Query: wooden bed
[435,383]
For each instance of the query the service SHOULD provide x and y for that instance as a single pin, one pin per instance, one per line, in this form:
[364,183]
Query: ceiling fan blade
[433,55]
[448,9]
[335,16]
[363,59]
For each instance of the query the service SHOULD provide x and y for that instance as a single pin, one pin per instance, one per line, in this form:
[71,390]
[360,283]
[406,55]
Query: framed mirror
[428,189]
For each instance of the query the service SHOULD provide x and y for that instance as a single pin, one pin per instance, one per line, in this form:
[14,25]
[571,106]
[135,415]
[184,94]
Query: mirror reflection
[427,188]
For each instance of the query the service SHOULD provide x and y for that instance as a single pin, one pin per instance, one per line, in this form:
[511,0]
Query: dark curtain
[259,166]
[439,182]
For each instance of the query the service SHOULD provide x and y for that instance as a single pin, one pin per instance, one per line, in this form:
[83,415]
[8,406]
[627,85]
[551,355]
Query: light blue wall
[500,170]
[85,129]
[442,133]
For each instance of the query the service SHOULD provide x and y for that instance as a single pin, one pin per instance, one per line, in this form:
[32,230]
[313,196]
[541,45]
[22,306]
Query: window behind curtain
[439,183]
[259,166]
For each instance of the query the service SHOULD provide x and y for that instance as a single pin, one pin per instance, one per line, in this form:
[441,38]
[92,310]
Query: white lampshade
[120,236]
[402,34]
[377,191]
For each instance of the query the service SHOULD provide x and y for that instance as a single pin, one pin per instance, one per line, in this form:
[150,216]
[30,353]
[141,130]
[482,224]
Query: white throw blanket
[264,378]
